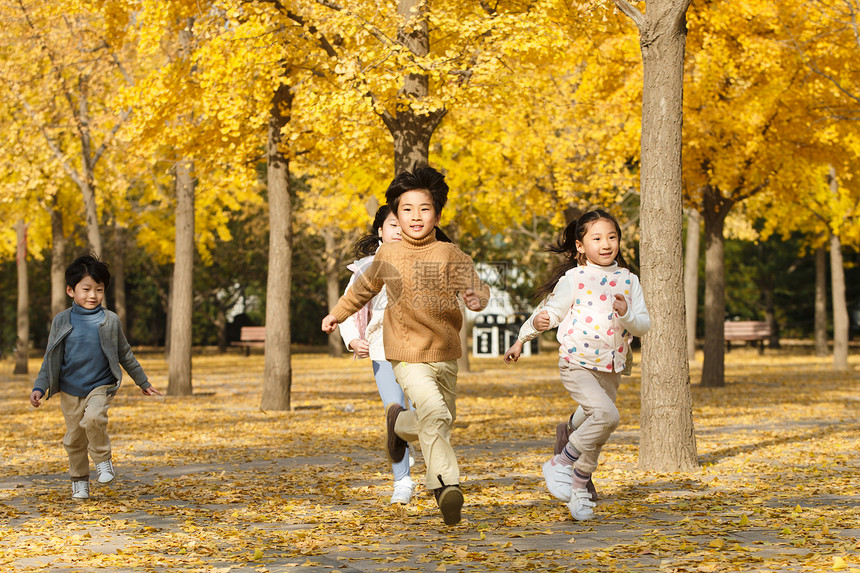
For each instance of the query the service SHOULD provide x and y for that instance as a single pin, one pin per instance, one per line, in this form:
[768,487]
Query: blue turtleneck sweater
[85,365]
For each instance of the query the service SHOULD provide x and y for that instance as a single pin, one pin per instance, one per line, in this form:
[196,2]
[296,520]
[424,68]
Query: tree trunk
[221,326]
[691,279]
[58,263]
[840,306]
[837,292]
[23,343]
[277,372]
[179,358]
[332,261]
[770,314]
[118,274]
[168,307]
[668,442]
[821,348]
[88,180]
[412,131]
[716,207]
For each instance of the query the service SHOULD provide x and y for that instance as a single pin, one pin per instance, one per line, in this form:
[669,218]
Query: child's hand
[329,323]
[151,391]
[541,321]
[35,397]
[472,300]
[360,347]
[513,353]
[620,305]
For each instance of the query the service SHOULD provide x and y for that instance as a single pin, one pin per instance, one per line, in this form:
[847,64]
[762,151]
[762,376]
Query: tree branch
[632,12]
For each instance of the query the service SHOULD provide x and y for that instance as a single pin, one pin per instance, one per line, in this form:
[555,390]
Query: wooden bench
[251,336]
[754,331]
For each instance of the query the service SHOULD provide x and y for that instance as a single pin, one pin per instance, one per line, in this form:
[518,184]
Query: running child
[362,333]
[598,306]
[423,278]
[86,347]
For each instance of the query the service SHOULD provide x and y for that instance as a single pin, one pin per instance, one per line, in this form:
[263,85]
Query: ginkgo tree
[188,116]
[826,37]
[62,73]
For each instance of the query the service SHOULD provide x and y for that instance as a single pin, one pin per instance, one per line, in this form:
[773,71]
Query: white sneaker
[580,505]
[80,490]
[105,471]
[403,489]
[559,479]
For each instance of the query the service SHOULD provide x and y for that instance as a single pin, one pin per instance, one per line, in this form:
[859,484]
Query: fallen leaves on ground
[211,482]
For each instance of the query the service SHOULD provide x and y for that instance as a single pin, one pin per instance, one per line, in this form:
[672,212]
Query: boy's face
[416,214]
[87,293]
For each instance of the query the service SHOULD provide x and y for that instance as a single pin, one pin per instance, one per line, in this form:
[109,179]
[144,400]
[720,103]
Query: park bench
[754,331]
[251,336]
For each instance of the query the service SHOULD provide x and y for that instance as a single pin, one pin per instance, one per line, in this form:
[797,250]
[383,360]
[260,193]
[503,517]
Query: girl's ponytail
[367,244]
[565,245]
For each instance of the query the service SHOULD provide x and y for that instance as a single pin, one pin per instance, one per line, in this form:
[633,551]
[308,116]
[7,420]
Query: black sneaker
[395,445]
[450,500]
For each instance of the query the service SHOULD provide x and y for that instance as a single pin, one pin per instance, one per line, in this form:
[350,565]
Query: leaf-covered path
[211,483]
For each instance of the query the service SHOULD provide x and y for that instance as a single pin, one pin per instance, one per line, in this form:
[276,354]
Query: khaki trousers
[595,392]
[431,387]
[86,430]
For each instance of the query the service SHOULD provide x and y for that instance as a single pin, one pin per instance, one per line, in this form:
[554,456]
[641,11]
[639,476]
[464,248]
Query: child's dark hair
[369,242]
[566,245]
[87,266]
[421,177]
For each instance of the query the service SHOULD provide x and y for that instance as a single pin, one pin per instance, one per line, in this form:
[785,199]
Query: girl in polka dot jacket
[598,307]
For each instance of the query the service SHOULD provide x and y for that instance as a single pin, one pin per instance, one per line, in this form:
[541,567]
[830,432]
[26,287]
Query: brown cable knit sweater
[422,278]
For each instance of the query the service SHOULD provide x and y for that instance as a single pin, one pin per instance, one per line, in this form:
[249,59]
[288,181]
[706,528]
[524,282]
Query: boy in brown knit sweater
[421,327]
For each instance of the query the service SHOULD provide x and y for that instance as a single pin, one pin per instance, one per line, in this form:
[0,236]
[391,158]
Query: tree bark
[770,314]
[179,357]
[221,326]
[118,274]
[821,346]
[88,180]
[58,264]
[837,293]
[23,331]
[331,262]
[840,306]
[691,279]
[410,130]
[668,442]
[716,208]
[277,371]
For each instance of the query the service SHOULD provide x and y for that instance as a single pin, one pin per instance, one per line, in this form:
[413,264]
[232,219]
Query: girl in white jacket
[598,307]
[362,333]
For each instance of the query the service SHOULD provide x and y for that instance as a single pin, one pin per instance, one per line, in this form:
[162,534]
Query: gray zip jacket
[114,345]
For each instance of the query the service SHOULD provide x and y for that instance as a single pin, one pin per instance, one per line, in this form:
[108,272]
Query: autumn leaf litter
[212,483]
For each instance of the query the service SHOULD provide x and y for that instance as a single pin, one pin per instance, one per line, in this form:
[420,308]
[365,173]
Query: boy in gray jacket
[86,347]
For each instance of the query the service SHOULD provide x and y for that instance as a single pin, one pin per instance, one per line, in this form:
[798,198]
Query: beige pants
[431,387]
[595,392]
[86,430]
